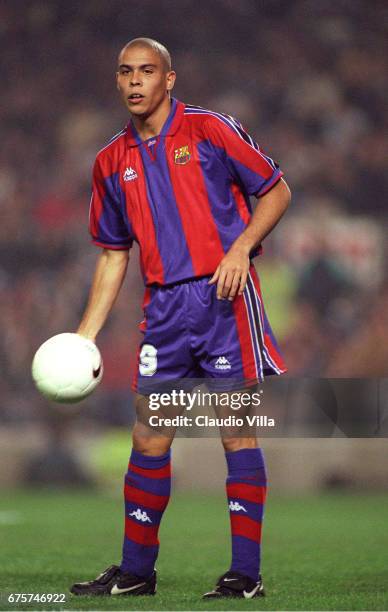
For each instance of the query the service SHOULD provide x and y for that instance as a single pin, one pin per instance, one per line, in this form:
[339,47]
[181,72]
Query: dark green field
[320,553]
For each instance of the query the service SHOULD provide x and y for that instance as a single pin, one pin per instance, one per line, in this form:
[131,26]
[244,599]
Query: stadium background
[308,81]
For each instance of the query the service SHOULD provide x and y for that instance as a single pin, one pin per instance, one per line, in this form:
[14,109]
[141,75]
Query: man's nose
[135,80]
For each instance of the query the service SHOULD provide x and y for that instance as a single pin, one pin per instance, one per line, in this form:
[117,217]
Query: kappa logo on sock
[141,516]
[236,507]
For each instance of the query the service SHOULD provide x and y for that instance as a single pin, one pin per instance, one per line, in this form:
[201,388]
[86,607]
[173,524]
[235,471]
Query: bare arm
[231,275]
[108,277]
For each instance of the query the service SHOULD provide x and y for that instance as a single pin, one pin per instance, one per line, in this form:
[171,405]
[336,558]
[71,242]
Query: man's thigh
[165,353]
[155,425]
[235,411]
[240,345]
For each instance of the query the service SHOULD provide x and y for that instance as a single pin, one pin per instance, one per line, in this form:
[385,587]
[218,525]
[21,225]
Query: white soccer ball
[67,368]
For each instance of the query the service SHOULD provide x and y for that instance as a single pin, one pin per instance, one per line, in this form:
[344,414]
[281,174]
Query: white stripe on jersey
[90,206]
[112,140]
[236,127]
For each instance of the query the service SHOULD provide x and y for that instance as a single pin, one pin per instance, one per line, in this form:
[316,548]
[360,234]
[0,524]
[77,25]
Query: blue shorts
[190,334]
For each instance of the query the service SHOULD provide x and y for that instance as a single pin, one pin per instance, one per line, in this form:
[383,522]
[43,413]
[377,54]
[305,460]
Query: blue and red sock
[246,487]
[146,491]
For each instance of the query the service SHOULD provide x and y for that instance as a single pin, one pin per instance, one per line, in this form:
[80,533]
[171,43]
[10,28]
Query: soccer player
[177,180]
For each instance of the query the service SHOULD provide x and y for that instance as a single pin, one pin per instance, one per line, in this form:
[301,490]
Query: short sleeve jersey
[183,196]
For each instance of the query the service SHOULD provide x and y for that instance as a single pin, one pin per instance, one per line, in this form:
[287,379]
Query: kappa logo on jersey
[141,516]
[182,155]
[222,363]
[130,174]
[235,506]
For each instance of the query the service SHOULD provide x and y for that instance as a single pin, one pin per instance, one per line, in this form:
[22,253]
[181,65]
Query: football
[67,368]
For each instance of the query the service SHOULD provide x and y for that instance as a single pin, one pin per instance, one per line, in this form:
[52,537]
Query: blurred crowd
[307,79]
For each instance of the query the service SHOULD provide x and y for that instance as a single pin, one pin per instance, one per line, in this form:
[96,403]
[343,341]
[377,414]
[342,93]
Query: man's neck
[147,127]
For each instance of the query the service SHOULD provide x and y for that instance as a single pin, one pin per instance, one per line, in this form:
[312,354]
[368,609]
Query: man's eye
[148,71]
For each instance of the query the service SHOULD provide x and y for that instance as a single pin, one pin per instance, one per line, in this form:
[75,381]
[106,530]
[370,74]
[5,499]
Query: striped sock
[146,492]
[246,487]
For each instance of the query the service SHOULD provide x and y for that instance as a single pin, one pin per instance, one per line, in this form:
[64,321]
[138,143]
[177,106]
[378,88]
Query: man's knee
[147,442]
[231,444]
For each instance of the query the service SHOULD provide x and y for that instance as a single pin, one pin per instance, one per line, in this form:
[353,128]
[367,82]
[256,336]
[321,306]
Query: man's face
[142,79]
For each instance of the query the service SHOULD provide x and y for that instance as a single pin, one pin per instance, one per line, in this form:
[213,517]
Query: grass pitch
[327,552]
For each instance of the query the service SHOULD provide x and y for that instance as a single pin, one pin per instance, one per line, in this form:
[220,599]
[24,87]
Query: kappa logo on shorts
[222,363]
[130,174]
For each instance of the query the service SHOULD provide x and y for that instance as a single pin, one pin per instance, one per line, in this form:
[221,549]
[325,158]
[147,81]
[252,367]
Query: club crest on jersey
[182,155]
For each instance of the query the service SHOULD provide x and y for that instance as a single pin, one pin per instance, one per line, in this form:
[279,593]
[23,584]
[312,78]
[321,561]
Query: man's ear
[171,80]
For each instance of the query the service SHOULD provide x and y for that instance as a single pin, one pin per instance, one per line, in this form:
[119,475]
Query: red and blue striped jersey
[182,196]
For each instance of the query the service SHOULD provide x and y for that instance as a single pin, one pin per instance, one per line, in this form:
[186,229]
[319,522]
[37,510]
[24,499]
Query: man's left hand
[231,274]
